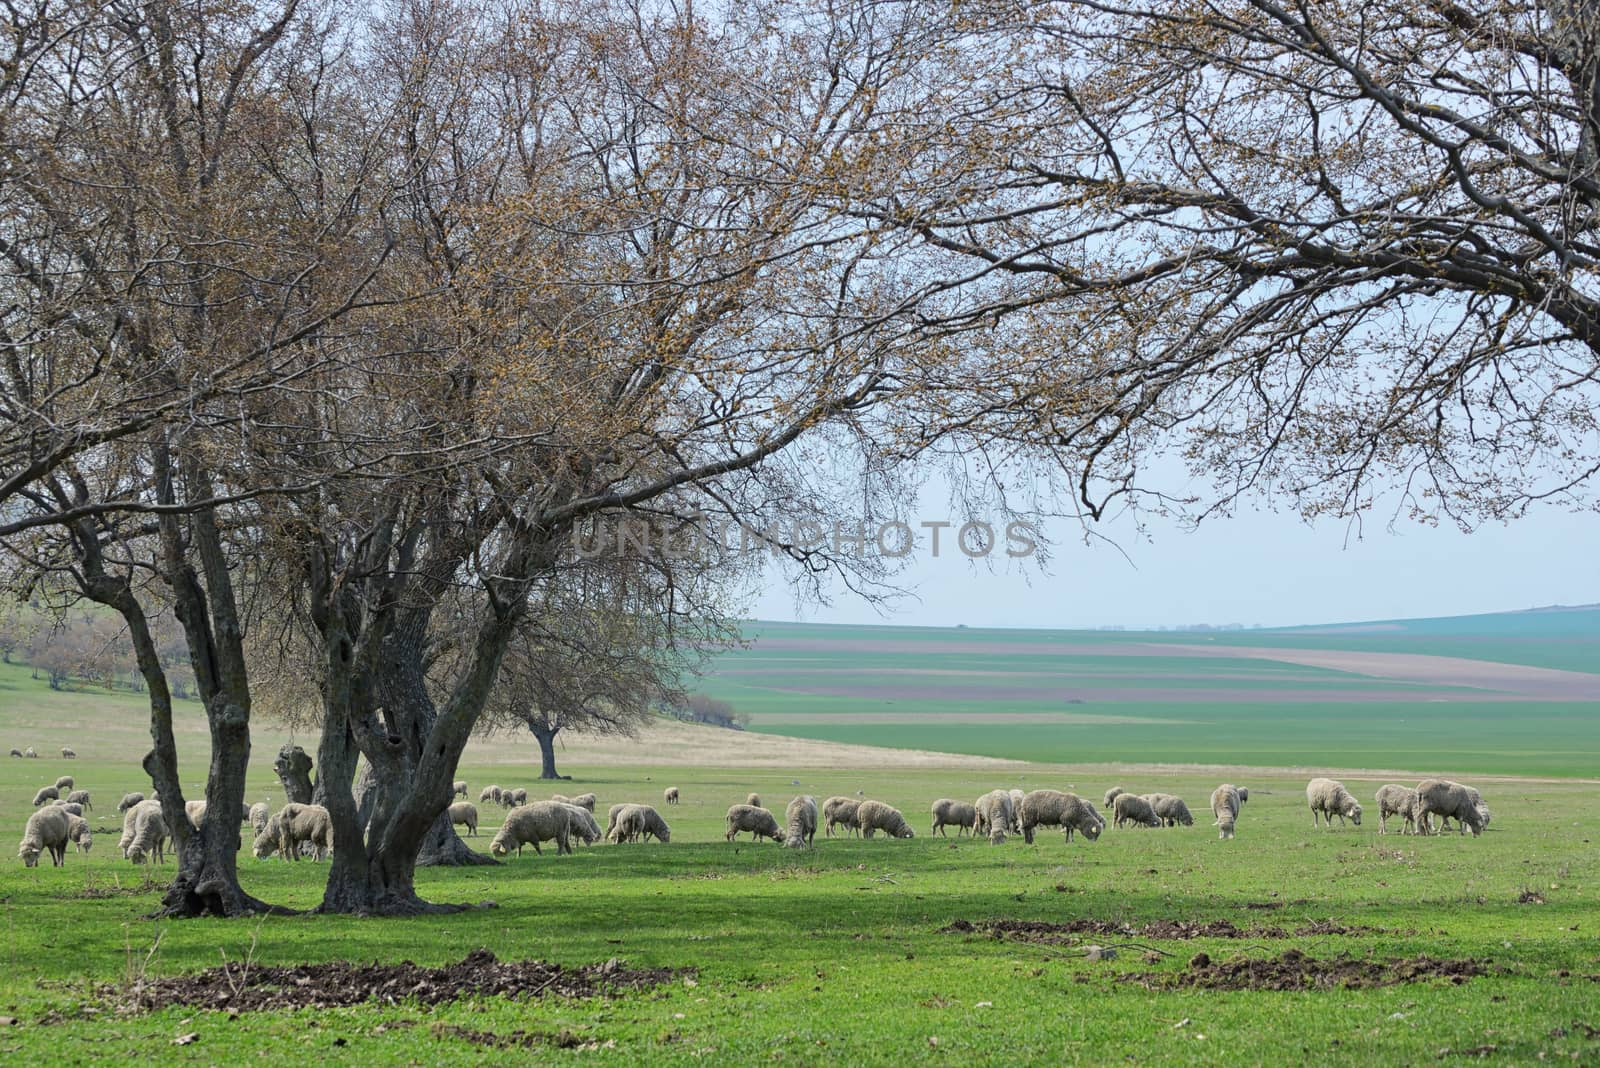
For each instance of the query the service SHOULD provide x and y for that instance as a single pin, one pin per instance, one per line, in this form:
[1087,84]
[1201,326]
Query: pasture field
[1424,694]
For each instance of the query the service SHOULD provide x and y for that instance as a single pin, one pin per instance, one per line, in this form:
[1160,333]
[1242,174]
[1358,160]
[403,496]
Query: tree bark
[294,771]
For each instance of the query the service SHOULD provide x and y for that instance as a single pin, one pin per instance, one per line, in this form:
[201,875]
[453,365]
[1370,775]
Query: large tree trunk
[294,771]
[547,750]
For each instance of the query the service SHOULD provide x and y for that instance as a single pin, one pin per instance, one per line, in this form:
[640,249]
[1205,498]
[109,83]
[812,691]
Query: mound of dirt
[1171,930]
[242,988]
[1296,971]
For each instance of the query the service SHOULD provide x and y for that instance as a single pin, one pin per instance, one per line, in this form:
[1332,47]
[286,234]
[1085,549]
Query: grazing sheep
[1053,808]
[1133,809]
[758,821]
[583,825]
[489,793]
[130,821]
[1171,809]
[46,829]
[541,821]
[46,793]
[1446,799]
[69,806]
[877,816]
[295,824]
[68,754]
[994,815]
[30,754]
[1477,803]
[129,800]
[801,820]
[670,795]
[587,801]
[78,832]
[754,800]
[1111,796]
[80,797]
[839,811]
[1016,810]
[1396,800]
[1225,807]
[196,811]
[66,782]
[1328,798]
[639,822]
[259,814]
[518,796]
[612,814]
[1244,793]
[149,834]
[465,813]
[266,840]
[16,752]
[459,788]
[950,813]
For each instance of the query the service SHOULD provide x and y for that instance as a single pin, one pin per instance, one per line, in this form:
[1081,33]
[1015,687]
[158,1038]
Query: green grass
[835,955]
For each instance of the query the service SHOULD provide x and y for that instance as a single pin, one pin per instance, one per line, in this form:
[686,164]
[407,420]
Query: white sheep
[80,797]
[458,788]
[490,794]
[1328,798]
[1171,809]
[465,814]
[69,807]
[1225,807]
[753,818]
[47,829]
[1133,809]
[839,811]
[149,834]
[541,821]
[66,782]
[994,815]
[670,795]
[46,793]
[1452,800]
[1111,796]
[513,798]
[1016,810]
[879,816]
[129,800]
[1396,800]
[78,831]
[640,822]
[296,824]
[587,801]
[1054,808]
[583,826]
[196,811]
[951,813]
[754,800]
[1477,802]
[130,820]
[612,815]
[801,822]
[30,754]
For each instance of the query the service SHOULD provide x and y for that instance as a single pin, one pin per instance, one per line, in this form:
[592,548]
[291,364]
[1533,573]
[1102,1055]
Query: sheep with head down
[293,826]
[47,830]
[587,801]
[1452,800]
[758,821]
[639,823]
[583,826]
[993,815]
[1171,809]
[80,797]
[149,834]
[66,782]
[69,807]
[839,811]
[1328,798]
[875,816]
[46,793]
[1225,807]
[1055,808]
[129,800]
[801,822]
[1133,810]
[951,813]
[1111,796]
[1396,800]
[259,814]
[489,794]
[530,824]
[78,831]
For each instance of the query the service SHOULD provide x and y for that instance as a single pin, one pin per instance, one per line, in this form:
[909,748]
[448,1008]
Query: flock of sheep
[298,830]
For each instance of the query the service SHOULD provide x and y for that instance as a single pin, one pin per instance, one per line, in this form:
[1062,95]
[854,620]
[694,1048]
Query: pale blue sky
[1272,569]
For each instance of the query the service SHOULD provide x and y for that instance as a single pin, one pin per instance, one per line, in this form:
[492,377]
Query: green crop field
[1284,945]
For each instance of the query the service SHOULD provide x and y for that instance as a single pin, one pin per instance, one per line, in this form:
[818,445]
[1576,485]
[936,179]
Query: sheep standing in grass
[1111,796]
[800,819]
[612,815]
[458,788]
[259,814]
[296,824]
[1244,793]
[46,793]
[1135,810]
[66,782]
[951,813]
[640,822]
[47,829]
[1171,809]
[587,801]
[1451,800]
[839,811]
[670,795]
[1477,802]
[80,797]
[994,815]
[1225,807]
[130,820]
[753,818]
[465,814]
[584,827]
[68,754]
[541,821]
[1328,798]
[78,831]
[519,796]
[490,794]
[149,834]
[30,754]
[754,800]
[70,807]
[1396,800]
[878,816]
[1053,808]
[1016,810]
[129,800]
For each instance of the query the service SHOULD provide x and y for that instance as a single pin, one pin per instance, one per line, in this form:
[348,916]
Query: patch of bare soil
[337,983]
[96,891]
[519,1039]
[1293,970]
[1168,930]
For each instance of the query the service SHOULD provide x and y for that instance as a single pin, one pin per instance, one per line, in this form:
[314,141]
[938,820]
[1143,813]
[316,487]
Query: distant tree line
[79,648]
